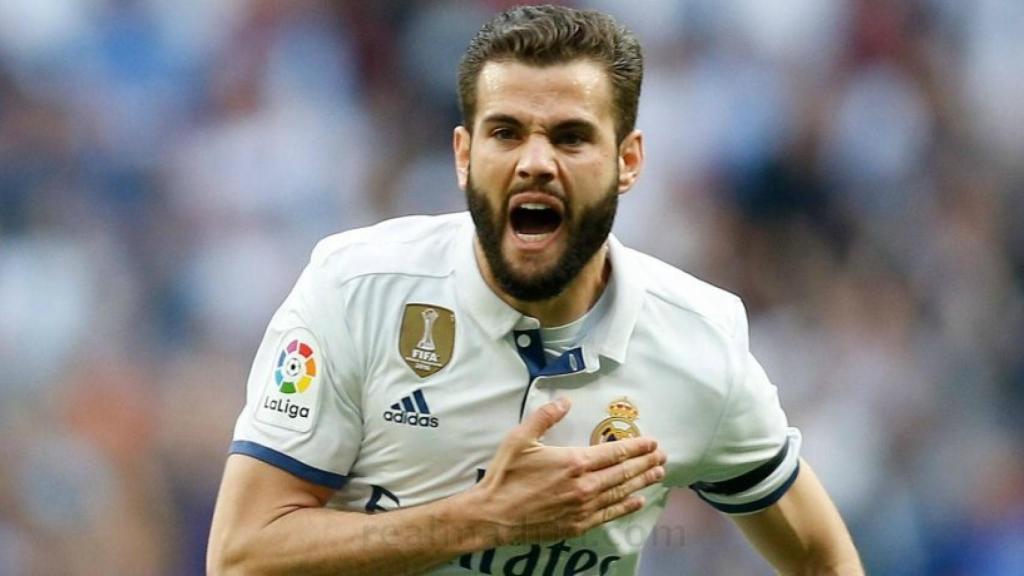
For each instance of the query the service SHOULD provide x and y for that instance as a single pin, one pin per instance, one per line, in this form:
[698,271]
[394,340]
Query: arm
[270,522]
[802,533]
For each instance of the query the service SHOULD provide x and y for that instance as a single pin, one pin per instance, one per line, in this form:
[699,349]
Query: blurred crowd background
[852,168]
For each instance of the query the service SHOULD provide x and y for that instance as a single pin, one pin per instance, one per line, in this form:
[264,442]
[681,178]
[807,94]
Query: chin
[530,267]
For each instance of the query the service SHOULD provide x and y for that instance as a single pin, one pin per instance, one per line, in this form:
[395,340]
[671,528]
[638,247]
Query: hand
[534,493]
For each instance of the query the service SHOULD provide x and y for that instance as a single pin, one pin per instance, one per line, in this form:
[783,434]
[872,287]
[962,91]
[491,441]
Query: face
[542,172]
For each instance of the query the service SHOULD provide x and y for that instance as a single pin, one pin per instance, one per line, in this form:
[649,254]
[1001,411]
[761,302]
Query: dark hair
[544,35]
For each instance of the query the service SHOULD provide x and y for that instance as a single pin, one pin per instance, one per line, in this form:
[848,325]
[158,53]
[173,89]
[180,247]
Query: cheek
[590,177]
[490,170]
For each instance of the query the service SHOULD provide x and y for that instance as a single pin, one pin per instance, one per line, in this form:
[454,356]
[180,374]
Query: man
[481,393]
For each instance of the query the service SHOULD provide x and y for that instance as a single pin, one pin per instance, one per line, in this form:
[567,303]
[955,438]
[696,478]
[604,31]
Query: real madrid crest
[620,424]
[427,338]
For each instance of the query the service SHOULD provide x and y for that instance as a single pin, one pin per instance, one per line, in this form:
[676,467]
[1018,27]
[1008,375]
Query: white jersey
[392,372]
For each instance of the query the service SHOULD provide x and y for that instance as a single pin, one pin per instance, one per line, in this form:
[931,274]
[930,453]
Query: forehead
[579,89]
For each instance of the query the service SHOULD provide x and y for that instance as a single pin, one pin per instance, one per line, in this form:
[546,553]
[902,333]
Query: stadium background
[852,168]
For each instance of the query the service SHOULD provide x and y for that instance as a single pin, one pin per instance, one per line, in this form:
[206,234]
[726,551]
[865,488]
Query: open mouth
[535,217]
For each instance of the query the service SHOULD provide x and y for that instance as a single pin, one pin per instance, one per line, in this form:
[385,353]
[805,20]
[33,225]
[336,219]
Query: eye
[504,133]
[570,139]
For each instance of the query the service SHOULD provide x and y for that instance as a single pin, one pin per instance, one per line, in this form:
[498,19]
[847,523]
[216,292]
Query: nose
[537,161]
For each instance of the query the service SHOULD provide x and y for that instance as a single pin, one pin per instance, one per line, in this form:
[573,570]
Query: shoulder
[674,293]
[411,246]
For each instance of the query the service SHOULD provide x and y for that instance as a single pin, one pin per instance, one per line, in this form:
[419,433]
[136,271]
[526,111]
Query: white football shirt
[392,372]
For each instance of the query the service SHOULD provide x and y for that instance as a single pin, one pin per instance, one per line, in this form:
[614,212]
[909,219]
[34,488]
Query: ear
[460,146]
[631,160]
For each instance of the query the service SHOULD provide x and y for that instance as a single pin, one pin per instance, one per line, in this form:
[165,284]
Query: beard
[586,230]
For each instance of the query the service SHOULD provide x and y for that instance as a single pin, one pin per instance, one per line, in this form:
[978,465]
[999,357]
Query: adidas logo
[411,410]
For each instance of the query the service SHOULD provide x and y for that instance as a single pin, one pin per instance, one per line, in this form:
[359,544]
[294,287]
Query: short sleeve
[302,407]
[753,457]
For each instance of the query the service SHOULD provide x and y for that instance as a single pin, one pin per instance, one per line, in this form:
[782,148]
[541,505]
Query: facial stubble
[586,229]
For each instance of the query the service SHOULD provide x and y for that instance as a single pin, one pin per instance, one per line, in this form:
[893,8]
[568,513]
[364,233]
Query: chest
[457,420]
[428,432]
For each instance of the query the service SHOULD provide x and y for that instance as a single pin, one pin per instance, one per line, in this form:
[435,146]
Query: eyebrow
[502,119]
[564,125]
[576,124]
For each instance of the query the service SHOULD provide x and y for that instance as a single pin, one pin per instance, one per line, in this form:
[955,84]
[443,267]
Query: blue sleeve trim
[756,505]
[288,464]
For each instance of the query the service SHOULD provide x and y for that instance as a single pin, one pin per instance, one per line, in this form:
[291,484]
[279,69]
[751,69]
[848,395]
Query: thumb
[542,419]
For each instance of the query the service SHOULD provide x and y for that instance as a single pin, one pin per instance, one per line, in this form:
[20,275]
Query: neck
[579,296]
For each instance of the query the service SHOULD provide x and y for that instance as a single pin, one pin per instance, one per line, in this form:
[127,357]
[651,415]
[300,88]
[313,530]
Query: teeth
[532,237]
[534,206]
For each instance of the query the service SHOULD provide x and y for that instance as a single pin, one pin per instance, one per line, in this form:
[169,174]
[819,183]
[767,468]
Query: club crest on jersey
[427,338]
[619,425]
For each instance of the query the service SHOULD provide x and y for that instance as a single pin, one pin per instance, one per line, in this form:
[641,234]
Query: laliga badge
[427,338]
[291,397]
[620,424]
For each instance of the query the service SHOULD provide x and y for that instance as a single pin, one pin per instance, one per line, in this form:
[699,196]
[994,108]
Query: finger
[618,492]
[621,473]
[612,453]
[542,419]
[615,511]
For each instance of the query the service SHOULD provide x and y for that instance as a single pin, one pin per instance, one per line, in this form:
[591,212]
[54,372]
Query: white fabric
[674,346]
[560,339]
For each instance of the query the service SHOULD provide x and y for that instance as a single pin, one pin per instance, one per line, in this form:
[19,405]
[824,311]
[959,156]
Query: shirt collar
[610,335]
[492,314]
